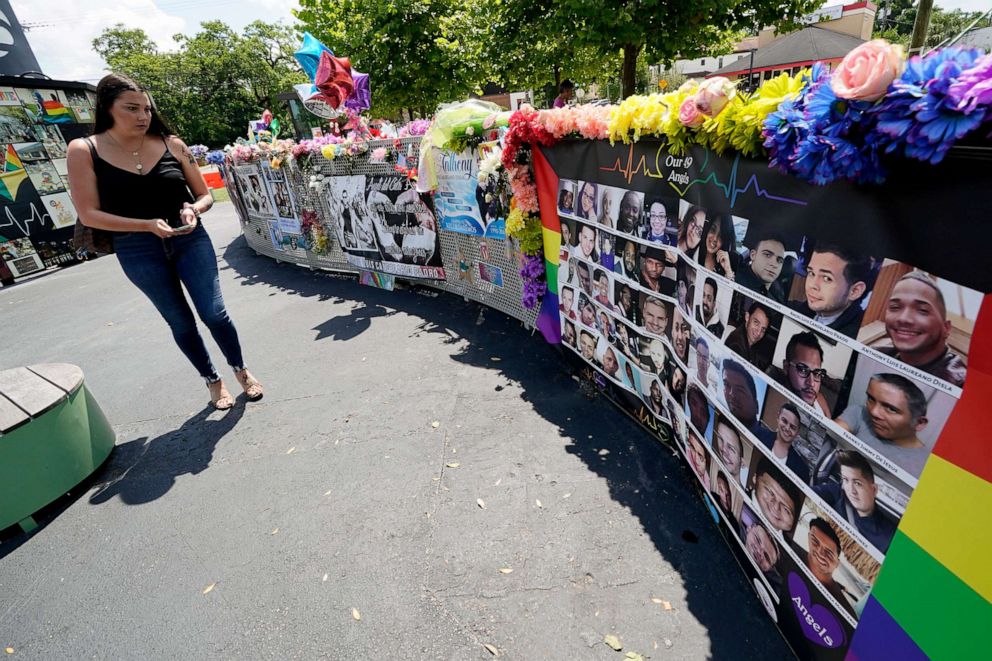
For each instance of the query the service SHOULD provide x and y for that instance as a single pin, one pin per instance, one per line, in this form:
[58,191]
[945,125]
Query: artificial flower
[713,95]
[973,87]
[689,114]
[867,71]
[378,155]
[917,118]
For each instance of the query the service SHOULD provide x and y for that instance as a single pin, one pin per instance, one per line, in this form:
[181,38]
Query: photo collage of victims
[267,195]
[34,149]
[806,382]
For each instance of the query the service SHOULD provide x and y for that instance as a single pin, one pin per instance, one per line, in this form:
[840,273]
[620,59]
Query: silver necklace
[136,155]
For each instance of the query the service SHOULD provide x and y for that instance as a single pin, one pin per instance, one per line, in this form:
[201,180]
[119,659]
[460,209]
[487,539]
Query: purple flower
[533,275]
[973,87]
[918,117]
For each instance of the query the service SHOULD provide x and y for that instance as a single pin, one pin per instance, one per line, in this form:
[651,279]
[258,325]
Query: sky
[62,39]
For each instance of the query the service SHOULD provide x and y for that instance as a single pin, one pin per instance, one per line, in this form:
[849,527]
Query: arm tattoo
[189,155]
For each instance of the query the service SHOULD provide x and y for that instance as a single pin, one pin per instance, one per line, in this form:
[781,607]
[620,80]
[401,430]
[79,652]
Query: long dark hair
[112,86]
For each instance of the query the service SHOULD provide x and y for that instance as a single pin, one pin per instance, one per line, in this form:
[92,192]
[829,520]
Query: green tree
[418,53]
[661,30]
[898,16]
[530,56]
[215,82]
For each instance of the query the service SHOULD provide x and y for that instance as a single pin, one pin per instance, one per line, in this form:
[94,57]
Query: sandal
[220,398]
[251,386]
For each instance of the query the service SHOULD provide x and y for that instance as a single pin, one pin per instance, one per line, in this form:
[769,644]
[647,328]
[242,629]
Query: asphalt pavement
[423,479]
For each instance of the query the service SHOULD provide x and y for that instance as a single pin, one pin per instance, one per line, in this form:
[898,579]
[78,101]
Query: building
[830,33]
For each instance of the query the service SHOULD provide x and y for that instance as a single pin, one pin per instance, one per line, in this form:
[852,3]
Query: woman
[566,200]
[691,230]
[718,249]
[136,179]
[587,200]
[605,218]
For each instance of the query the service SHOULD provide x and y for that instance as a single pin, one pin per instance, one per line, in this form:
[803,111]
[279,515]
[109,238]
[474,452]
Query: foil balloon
[361,97]
[308,54]
[333,79]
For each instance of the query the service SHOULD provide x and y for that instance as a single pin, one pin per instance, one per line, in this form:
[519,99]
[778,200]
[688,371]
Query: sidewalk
[409,447]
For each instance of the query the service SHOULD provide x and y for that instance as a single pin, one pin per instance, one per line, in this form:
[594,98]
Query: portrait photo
[752,330]
[720,250]
[711,308]
[923,321]
[762,548]
[832,284]
[630,212]
[841,566]
[894,414]
[656,314]
[811,366]
[662,226]
[732,448]
[566,197]
[777,497]
[692,220]
[865,496]
[587,201]
[625,259]
[657,269]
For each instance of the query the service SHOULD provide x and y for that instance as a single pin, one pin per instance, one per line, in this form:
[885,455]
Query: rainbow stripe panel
[933,598]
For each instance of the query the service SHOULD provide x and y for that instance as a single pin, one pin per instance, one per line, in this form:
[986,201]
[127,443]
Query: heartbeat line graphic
[24,225]
[731,190]
[629,170]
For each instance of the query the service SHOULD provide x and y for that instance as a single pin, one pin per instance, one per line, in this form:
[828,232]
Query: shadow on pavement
[643,476]
[139,471]
[142,470]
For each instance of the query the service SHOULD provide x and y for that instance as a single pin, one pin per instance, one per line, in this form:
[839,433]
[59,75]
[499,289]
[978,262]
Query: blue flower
[917,118]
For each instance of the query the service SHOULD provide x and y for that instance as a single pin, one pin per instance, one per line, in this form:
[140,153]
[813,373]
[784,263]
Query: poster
[463,206]
[59,209]
[15,125]
[281,194]
[805,360]
[52,140]
[256,193]
[384,225]
[45,177]
[47,106]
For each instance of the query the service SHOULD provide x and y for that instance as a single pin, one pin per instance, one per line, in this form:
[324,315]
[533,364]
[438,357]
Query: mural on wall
[35,126]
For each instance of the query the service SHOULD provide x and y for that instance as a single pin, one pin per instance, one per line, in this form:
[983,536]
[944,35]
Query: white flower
[470,130]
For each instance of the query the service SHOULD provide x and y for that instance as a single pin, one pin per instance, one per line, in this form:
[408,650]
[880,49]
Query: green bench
[53,435]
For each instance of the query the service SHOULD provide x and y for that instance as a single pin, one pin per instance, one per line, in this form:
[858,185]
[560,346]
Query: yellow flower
[327,151]
[275,163]
[514,222]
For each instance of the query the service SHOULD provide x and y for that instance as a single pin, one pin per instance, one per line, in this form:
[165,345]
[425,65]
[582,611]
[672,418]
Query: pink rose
[713,95]
[689,115]
[867,71]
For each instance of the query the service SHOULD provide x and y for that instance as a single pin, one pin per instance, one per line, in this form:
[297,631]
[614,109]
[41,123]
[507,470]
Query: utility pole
[920,27]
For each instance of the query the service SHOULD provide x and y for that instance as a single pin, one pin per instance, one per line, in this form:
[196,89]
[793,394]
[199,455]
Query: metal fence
[461,253]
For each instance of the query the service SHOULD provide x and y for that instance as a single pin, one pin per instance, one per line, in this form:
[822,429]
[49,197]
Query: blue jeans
[158,266]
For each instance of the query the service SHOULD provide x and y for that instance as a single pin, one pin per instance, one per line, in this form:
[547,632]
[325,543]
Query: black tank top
[158,194]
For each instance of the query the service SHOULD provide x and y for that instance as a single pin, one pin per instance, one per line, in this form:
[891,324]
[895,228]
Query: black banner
[804,346]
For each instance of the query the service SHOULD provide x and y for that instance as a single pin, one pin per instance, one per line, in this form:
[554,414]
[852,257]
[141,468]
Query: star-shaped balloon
[361,97]
[308,54]
[336,85]
[334,80]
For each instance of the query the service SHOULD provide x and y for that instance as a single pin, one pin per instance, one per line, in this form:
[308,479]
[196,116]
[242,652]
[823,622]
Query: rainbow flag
[547,186]
[52,111]
[12,174]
